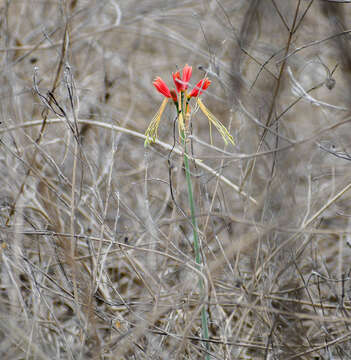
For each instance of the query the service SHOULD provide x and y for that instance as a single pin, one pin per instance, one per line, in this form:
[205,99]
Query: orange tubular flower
[177,81]
[201,86]
[187,72]
[182,83]
[182,104]
[161,87]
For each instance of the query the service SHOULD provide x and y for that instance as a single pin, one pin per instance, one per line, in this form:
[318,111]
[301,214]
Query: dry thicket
[97,256]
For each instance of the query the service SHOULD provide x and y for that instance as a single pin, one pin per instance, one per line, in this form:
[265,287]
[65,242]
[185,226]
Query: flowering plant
[181,99]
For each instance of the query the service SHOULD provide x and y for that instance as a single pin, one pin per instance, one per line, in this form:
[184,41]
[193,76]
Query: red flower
[183,105]
[201,86]
[177,81]
[181,83]
[187,71]
[161,87]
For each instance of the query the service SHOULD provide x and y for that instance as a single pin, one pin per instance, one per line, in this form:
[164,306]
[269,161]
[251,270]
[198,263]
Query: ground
[97,254]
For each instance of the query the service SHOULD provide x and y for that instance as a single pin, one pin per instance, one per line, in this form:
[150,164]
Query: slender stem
[192,208]
[198,260]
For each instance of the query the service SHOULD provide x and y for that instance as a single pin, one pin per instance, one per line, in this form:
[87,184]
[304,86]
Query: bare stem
[198,260]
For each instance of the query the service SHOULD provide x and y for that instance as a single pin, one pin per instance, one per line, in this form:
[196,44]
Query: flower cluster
[181,99]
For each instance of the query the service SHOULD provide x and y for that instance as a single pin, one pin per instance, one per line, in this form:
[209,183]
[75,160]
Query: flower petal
[161,87]
[200,87]
[177,81]
[187,71]
[181,83]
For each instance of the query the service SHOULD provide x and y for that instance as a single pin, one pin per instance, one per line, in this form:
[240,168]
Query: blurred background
[96,250]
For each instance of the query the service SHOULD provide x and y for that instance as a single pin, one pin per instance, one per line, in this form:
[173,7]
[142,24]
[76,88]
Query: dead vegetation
[96,255]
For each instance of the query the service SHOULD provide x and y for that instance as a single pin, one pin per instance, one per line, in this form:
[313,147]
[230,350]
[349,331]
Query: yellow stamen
[151,132]
[213,120]
[181,127]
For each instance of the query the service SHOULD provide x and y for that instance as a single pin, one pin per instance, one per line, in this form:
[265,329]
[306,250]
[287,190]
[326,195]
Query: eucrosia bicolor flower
[181,99]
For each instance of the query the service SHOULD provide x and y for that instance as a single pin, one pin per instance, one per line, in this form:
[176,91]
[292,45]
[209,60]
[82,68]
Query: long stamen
[151,132]
[213,120]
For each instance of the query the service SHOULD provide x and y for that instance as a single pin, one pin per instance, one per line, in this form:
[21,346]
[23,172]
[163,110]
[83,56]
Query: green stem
[192,208]
[204,321]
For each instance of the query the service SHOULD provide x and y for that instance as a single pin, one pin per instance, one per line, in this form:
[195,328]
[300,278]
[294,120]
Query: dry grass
[96,257]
